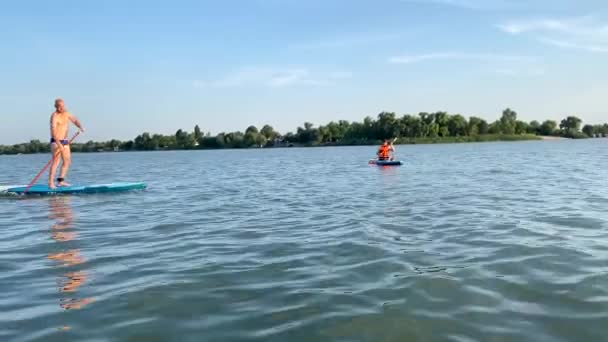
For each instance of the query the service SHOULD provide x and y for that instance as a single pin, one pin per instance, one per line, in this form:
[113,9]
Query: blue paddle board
[39,189]
[386,162]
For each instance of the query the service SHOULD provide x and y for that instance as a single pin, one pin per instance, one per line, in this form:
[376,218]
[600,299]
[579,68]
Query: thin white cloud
[581,33]
[274,78]
[583,26]
[536,25]
[575,46]
[409,59]
[506,65]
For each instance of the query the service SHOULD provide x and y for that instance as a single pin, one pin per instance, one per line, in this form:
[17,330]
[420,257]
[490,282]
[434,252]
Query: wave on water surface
[481,242]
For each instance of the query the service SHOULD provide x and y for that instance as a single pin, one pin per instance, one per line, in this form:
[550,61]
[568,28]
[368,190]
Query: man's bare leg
[66,156]
[54,165]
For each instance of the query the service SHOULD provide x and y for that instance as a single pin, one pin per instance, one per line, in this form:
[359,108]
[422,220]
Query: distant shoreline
[438,141]
[400,141]
[424,128]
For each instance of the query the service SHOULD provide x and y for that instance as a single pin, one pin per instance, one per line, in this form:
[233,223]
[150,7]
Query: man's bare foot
[52,186]
[64,184]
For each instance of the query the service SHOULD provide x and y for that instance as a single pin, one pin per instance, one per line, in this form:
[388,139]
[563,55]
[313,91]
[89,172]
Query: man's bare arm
[76,122]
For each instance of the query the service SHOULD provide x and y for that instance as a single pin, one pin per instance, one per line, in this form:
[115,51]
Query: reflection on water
[60,211]
[390,176]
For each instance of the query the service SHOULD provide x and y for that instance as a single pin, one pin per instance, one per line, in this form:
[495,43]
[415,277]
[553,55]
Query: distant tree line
[424,127]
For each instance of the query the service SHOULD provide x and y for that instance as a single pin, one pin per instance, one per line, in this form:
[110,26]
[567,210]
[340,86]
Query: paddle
[392,145]
[48,164]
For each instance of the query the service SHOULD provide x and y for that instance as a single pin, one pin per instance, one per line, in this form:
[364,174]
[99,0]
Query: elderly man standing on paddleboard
[60,145]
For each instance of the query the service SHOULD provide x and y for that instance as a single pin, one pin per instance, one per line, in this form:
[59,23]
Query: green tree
[335,131]
[20,148]
[180,138]
[494,128]
[221,140]
[90,146]
[386,126]
[432,130]
[475,125]
[235,140]
[425,125]
[548,127]
[290,137]
[457,125]
[167,142]
[484,127]
[184,140]
[508,121]
[253,137]
[197,132]
[570,126]
[324,134]
[521,127]
[442,120]
[113,145]
[355,132]
[601,130]
[589,130]
[308,134]
[198,135]
[252,129]
[260,140]
[142,141]
[368,128]
[269,132]
[127,145]
[410,126]
[343,128]
[534,127]
[35,146]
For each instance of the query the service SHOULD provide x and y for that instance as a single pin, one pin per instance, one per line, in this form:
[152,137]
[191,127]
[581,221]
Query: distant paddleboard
[40,189]
[385,162]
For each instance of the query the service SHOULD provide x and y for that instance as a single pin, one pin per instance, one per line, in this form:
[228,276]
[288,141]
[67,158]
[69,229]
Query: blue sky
[124,67]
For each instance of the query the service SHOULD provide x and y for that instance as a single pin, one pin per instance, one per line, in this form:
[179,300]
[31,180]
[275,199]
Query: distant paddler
[60,145]
[385,150]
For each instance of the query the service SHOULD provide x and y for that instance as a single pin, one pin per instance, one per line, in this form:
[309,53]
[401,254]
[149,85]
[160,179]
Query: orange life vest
[384,151]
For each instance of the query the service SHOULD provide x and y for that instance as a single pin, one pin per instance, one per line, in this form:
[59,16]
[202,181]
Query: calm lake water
[470,242]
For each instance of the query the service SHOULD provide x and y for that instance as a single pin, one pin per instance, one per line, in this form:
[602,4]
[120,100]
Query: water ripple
[475,242]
